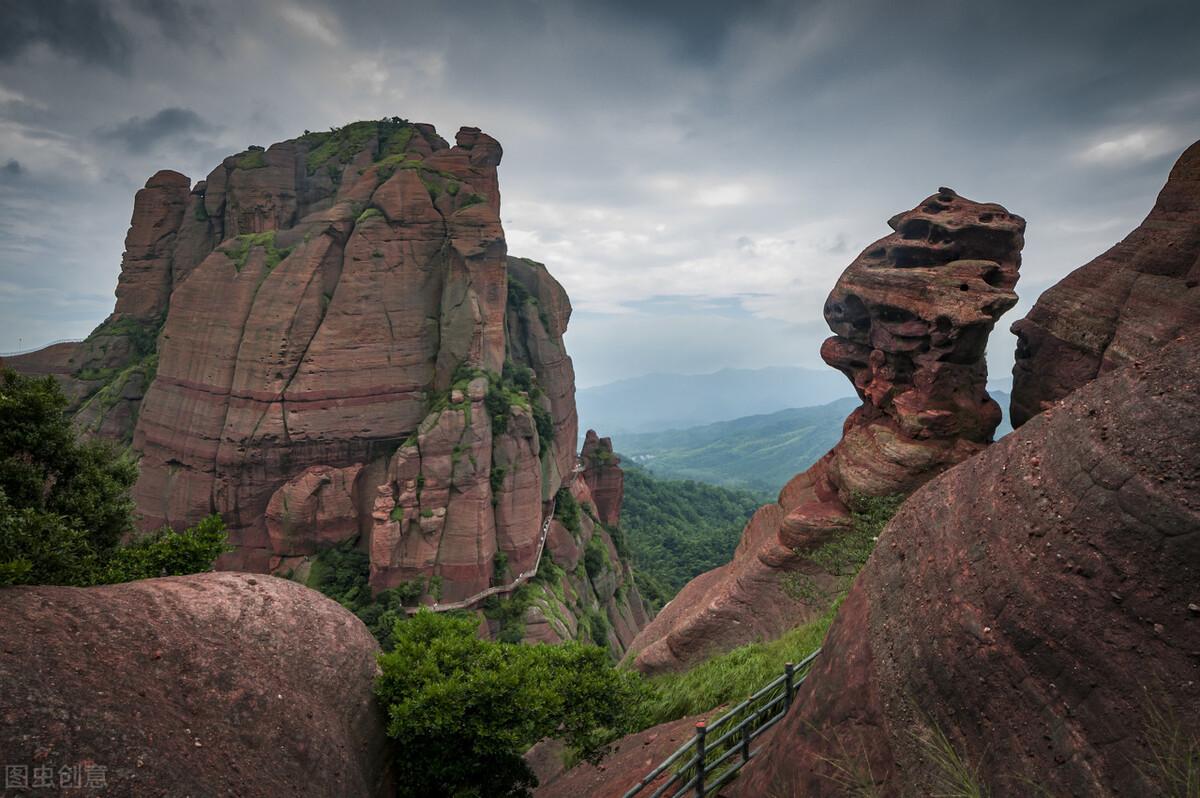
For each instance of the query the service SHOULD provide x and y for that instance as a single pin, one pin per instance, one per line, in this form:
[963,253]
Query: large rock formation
[1035,608]
[1121,306]
[325,341]
[585,589]
[211,684]
[911,317]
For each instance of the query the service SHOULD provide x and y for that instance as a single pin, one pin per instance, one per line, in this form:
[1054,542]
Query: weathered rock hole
[993,276]
[986,217]
[943,324]
[964,287]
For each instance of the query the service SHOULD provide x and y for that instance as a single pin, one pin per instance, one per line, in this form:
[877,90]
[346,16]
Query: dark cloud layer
[696,173]
[83,29]
[138,134]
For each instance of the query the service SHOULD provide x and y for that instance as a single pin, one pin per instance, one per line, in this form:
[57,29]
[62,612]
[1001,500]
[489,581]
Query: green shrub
[167,552]
[566,510]
[499,567]
[239,251]
[509,612]
[463,710]
[595,558]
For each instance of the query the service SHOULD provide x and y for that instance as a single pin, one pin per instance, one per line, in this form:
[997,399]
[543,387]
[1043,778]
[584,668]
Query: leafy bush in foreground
[65,505]
[462,710]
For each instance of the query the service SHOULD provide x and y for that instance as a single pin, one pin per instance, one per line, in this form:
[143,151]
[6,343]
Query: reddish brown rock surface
[1121,306]
[211,684]
[1036,604]
[605,480]
[325,342]
[578,596]
[630,759]
[911,317]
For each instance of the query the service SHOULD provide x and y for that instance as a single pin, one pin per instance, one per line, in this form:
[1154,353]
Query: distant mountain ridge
[656,402]
[758,453]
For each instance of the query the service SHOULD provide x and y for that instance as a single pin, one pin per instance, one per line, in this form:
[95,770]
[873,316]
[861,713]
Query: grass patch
[954,776]
[731,677]
[1174,762]
[253,158]
[369,213]
[845,554]
[244,244]
[340,145]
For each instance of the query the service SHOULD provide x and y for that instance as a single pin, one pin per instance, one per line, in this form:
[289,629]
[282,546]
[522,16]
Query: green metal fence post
[700,732]
[789,683]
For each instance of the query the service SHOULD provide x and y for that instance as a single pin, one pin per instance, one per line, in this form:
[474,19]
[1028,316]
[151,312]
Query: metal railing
[702,765]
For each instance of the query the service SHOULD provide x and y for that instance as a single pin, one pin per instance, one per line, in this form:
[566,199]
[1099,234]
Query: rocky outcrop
[604,478]
[326,342]
[210,684]
[1118,308]
[358,270]
[911,317]
[1035,607]
[584,589]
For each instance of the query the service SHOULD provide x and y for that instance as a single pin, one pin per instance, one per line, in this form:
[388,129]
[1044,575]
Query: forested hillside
[679,529]
[758,453]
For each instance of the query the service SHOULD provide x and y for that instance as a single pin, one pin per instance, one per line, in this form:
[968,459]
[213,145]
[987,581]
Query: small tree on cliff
[65,505]
[462,710]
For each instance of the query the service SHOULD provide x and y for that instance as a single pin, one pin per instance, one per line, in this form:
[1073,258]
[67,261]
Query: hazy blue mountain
[757,453]
[655,402]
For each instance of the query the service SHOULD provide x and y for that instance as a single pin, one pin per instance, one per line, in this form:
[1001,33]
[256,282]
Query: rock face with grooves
[1121,306]
[1037,605]
[325,341]
[586,590]
[911,317]
[210,684]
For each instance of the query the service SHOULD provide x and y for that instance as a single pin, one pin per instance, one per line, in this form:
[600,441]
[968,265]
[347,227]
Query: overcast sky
[696,174]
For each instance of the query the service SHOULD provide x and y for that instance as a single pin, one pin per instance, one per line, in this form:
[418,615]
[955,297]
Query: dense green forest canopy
[680,529]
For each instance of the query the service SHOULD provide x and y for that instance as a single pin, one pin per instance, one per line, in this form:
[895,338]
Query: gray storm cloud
[696,174]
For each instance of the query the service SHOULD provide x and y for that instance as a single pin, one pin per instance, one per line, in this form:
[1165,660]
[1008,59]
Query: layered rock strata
[210,684]
[1121,306]
[911,317]
[325,341]
[1033,610]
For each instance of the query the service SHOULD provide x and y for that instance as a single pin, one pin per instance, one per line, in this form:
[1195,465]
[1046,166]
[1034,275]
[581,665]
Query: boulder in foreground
[210,684]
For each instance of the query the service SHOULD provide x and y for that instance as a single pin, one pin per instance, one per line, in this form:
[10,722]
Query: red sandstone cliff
[325,341]
[1121,306]
[911,317]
